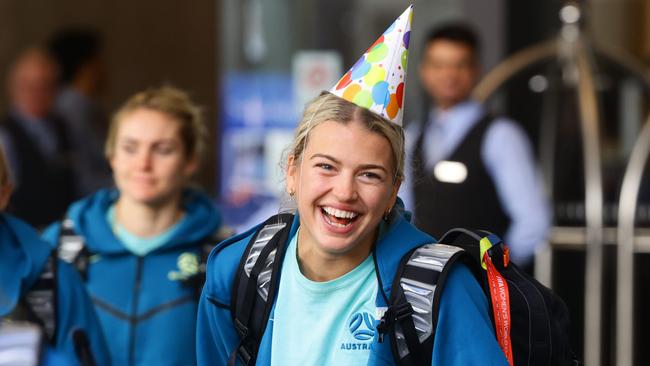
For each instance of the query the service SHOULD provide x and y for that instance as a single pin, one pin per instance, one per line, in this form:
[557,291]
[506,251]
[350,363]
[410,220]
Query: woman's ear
[393,195]
[191,166]
[292,174]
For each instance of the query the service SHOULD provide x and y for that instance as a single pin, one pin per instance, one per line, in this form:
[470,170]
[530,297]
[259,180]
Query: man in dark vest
[467,167]
[35,142]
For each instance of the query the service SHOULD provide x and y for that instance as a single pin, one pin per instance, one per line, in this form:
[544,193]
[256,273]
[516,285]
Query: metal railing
[573,52]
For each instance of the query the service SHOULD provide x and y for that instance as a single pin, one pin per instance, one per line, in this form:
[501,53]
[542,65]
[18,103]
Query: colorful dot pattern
[376,81]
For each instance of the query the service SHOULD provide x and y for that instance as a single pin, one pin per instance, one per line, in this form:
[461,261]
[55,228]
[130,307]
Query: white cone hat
[376,81]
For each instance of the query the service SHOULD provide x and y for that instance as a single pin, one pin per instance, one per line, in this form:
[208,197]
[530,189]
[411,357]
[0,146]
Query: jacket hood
[22,257]
[88,215]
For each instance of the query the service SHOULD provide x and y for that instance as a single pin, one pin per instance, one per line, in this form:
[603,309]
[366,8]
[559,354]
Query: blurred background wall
[243,60]
[153,42]
[147,43]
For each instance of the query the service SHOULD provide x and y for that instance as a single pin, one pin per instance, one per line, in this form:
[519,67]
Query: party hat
[376,81]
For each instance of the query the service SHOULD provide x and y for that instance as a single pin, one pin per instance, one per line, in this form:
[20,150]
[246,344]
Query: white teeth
[340,213]
[336,223]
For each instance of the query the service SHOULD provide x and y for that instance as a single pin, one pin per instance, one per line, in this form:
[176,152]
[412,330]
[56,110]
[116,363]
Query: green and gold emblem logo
[188,266]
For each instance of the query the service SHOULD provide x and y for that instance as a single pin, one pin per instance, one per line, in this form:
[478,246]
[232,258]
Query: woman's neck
[145,220]
[320,266]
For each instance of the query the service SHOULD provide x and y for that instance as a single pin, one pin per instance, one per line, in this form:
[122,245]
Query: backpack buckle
[393,314]
[241,329]
[244,355]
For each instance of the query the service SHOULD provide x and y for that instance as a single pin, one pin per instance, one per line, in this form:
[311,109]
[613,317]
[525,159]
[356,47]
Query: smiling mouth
[338,218]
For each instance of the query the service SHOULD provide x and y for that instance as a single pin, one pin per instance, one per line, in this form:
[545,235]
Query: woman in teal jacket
[342,252]
[145,239]
[24,257]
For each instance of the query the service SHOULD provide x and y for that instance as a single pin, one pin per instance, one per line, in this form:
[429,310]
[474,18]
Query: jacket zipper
[134,309]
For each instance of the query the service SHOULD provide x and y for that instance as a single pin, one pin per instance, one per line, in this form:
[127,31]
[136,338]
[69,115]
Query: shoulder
[51,233]
[505,129]
[505,139]
[461,283]
[223,264]
[68,280]
[464,314]
[27,236]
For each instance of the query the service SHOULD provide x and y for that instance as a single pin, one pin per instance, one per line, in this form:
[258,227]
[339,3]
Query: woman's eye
[325,166]
[164,150]
[371,176]
[129,149]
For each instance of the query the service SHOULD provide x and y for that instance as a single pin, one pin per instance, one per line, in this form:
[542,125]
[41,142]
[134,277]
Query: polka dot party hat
[376,81]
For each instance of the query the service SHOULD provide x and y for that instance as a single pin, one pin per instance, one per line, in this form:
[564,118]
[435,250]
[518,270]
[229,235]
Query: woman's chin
[148,198]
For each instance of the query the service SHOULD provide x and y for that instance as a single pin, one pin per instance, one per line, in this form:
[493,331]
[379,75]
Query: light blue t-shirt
[135,244]
[324,323]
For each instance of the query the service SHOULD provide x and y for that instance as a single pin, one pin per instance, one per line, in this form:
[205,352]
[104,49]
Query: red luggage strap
[500,297]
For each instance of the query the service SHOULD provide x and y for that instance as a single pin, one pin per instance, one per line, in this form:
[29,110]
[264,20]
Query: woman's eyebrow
[325,156]
[336,161]
[373,166]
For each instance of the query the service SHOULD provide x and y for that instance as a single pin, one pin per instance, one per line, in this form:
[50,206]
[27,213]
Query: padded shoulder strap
[256,284]
[41,300]
[71,248]
[412,316]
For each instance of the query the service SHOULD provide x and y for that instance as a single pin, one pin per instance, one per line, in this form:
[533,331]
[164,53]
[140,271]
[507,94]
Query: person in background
[36,142]
[78,52]
[345,241]
[145,241]
[38,289]
[467,167]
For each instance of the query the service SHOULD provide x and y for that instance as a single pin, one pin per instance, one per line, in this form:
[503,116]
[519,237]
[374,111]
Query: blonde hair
[172,102]
[328,107]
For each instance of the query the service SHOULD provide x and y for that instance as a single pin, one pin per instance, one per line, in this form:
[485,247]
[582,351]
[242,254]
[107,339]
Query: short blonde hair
[328,107]
[172,102]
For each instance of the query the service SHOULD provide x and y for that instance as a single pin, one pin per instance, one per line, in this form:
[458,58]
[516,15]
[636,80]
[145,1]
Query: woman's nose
[345,188]
[144,160]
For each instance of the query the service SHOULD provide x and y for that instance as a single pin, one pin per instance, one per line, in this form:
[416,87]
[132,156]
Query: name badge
[450,172]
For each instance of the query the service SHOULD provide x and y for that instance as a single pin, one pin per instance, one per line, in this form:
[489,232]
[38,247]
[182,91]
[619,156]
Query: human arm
[216,336]
[215,333]
[464,333]
[76,312]
[509,160]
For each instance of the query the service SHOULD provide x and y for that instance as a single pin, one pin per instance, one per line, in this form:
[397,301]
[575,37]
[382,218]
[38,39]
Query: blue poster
[257,125]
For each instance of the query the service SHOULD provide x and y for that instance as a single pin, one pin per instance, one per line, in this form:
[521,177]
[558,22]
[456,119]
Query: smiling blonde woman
[327,269]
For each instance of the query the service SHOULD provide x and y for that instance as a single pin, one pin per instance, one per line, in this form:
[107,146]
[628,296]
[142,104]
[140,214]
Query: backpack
[39,308]
[39,305]
[532,330]
[531,323]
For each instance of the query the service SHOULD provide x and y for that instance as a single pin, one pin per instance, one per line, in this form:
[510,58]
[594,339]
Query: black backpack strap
[471,240]
[71,248]
[41,300]
[256,284]
[412,316]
